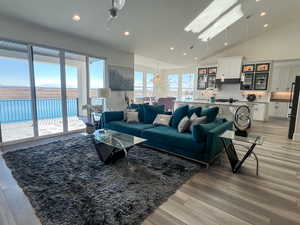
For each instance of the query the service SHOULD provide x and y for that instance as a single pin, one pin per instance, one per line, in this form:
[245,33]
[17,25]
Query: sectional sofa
[202,144]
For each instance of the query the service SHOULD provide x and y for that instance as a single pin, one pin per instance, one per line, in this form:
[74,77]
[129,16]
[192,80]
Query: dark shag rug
[67,184]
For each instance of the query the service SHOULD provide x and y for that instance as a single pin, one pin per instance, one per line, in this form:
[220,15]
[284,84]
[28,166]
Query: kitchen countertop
[209,103]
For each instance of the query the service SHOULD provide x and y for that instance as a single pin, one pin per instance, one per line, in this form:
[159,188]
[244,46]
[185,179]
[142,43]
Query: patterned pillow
[162,119]
[195,120]
[183,125]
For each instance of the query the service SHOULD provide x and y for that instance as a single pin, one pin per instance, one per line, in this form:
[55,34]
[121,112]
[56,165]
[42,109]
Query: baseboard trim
[296,137]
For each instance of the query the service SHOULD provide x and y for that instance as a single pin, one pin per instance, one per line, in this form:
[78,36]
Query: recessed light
[126,33]
[257,0]
[226,44]
[184,54]
[172,48]
[263,13]
[266,25]
[76,17]
[196,58]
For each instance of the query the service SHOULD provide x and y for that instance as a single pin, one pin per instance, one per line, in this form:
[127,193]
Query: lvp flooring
[213,196]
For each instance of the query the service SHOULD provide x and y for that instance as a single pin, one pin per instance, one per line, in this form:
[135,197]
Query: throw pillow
[126,111]
[194,110]
[200,131]
[132,117]
[162,119]
[196,120]
[178,115]
[151,111]
[183,125]
[211,113]
[140,109]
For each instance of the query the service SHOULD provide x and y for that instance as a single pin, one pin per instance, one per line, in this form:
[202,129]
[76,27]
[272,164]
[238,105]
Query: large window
[187,86]
[143,84]
[43,90]
[96,78]
[138,84]
[149,85]
[173,85]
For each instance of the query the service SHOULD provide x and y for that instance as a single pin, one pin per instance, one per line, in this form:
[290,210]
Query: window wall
[173,85]
[43,90]
[187,85]
[143,84]
[181,85]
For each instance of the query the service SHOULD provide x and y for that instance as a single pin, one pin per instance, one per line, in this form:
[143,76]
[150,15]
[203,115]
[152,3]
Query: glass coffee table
[112,145]
[227,139]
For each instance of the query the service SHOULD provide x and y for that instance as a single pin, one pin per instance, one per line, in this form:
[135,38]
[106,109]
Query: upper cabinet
[284,74]
[229,67]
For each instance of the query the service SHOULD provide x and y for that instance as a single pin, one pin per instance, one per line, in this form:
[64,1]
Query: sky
[15,72]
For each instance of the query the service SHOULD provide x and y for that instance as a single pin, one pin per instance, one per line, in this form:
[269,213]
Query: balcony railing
[19,110]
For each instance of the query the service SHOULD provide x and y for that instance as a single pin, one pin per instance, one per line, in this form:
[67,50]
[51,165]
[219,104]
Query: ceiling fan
[117,5]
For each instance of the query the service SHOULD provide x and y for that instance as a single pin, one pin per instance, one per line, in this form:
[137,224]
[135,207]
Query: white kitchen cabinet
[229,67]
[284,74]
[278,109]
[260,111]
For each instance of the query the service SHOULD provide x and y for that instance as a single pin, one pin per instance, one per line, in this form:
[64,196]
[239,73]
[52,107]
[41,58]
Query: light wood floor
[214,196]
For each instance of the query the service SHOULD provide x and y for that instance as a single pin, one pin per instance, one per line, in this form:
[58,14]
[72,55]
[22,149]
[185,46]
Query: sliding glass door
[45,91]
[76,91]
[15,93]
[47,77]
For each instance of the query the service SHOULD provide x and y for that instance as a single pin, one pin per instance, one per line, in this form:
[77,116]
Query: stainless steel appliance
[261,81]
[247,84]
[293,105]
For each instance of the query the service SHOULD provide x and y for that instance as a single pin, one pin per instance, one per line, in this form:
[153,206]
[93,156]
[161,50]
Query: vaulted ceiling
[154,25]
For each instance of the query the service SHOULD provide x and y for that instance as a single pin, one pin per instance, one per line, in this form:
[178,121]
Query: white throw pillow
[184,125]
[132,117]
[162,119]
[126,111]
[194,120]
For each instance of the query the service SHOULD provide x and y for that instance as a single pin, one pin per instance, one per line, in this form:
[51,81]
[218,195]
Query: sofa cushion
[128,128]
[151,111]
[211,113]
[172,139]
[140,109]
[196,110]
[200,131]
[177,116]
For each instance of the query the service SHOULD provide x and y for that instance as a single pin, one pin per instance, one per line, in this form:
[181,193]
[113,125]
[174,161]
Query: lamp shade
[103,92]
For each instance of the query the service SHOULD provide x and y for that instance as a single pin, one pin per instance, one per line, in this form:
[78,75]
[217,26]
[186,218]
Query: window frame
[61,57]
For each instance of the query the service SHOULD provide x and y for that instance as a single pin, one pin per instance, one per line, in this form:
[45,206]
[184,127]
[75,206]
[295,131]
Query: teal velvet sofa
[202,145]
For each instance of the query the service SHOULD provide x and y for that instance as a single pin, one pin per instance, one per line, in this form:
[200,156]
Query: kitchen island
[226,109]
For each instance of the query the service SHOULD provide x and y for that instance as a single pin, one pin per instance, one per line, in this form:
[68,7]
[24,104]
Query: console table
[227,139]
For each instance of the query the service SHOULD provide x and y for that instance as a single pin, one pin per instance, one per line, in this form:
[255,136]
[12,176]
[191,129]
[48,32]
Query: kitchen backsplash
[233,91]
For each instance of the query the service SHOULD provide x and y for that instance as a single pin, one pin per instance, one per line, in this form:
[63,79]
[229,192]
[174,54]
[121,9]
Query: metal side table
[227,139]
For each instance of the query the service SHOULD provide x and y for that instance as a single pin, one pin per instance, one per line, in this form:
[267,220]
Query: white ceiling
[155,25]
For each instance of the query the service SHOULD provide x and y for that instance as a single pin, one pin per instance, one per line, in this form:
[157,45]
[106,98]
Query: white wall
[280,43]
[20,31]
